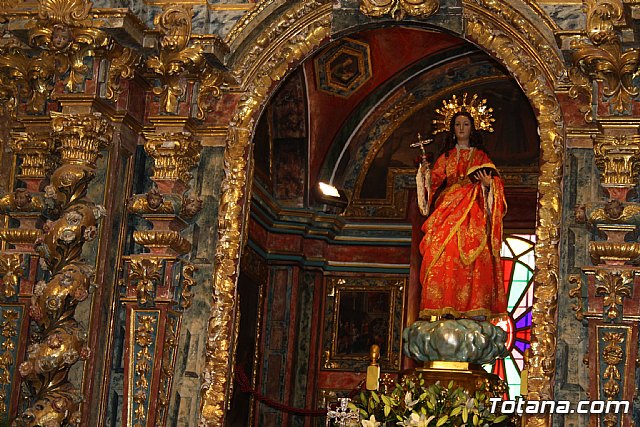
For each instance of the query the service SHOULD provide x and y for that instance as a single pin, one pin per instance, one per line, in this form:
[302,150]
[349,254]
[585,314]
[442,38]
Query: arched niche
[502,32]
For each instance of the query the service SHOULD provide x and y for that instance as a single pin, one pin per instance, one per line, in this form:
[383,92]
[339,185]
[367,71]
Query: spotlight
[331,195]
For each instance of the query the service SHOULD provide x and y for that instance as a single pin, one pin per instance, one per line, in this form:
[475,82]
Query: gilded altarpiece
[154,73]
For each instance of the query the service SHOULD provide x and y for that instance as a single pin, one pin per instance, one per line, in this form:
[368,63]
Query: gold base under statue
[467,375]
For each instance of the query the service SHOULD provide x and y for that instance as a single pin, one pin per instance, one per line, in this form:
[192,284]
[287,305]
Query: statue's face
[462,128]
[154,199]
[60,37]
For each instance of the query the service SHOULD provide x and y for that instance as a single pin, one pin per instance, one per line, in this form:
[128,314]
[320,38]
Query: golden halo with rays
[477,108]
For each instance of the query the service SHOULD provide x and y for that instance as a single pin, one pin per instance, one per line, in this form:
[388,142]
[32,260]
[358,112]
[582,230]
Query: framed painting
[361,312]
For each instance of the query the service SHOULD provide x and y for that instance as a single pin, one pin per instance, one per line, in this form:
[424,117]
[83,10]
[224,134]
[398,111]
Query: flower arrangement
[413,403]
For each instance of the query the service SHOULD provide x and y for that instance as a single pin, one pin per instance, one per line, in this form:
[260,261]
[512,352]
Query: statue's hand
[484,177]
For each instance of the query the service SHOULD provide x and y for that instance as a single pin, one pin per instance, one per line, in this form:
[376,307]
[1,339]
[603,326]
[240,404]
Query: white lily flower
[416,420]
[371,422]
[408,402]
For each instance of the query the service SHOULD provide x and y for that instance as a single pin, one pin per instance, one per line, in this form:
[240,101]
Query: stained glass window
[518,265]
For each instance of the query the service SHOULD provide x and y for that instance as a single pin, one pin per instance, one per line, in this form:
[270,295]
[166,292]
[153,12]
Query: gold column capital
[35,153]
[174,154]
[81,137]
[618,158]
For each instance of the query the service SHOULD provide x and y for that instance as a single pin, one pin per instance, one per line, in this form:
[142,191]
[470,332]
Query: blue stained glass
[522,346]
[524,321]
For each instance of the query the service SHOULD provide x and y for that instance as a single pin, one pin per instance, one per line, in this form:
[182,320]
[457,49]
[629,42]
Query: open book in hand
[489,168]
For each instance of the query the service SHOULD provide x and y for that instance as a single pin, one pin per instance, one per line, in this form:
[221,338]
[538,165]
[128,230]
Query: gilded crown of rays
[477,108]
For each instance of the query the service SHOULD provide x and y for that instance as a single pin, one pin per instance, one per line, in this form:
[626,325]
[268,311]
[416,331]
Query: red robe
[461,272]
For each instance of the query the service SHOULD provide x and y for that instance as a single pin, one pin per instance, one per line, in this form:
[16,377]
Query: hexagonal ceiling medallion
[343,68]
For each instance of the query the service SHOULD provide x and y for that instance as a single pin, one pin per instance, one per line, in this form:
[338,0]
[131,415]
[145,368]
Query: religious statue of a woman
[463,196]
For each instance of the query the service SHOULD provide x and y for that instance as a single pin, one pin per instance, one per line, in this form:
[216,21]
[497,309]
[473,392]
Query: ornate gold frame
[335,287]
[500,31]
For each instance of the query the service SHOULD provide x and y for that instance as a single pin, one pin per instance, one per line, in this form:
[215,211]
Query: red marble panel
[272,384]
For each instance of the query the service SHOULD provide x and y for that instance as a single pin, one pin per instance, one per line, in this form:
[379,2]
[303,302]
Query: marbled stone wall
[581,186]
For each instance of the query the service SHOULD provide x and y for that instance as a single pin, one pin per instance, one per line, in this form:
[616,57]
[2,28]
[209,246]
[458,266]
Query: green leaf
[450,386]
[375,396]
[387,409]
[386,400]
[465,414]
[456,411]
[500,419]
[443,419]
[476,420]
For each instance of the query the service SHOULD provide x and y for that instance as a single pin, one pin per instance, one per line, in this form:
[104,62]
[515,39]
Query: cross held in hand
[421,144]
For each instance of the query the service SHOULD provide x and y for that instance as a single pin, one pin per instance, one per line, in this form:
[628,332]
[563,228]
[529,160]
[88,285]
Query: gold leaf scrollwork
[122,62]
[8,330]
[24,78]
[209,90]
[11,271]
[69,12]
[144,337]
[398,9]
[612,355]
[187,283]
[176,55]
[67,36]
[602,58]
[614,286]
[144,275]
[576,292]
[166,376]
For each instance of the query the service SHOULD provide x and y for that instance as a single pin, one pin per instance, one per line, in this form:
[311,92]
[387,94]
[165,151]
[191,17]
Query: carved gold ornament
[145,338]
[209,90]
[8,330]
[144,276]
[612,355]
[174,154]
[122,61]
[176,55]
[59,341]
[603,59]
[186,296]
[80,137]
[476,107]
[21,201]
[25,78]
[397,9]
[618,159]
[17,236]
[168,364]
[615,212]
[11,271]
[169,239]
[508,41]
[614,253]
[34,153]
[614,286]
[67,36]
[576,292]
[284,42]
